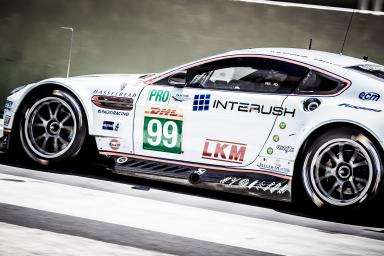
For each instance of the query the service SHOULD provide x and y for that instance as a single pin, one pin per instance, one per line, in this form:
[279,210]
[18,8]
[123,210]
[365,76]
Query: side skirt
[240,181]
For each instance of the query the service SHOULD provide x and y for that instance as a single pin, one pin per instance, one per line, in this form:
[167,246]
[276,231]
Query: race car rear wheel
[52,127]
[342,169]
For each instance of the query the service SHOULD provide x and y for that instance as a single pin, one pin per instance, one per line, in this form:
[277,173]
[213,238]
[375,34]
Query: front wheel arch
[298,191]
[43,88]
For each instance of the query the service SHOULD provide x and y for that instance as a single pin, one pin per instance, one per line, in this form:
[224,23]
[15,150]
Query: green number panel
[161,134]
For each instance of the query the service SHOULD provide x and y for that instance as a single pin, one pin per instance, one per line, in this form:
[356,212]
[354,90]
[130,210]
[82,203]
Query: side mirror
[179,79]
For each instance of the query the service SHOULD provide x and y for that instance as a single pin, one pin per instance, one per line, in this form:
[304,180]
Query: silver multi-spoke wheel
[50,127]
[341,172]
[53,126]
[342,168]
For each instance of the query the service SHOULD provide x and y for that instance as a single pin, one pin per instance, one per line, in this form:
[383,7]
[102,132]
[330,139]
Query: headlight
[17,89]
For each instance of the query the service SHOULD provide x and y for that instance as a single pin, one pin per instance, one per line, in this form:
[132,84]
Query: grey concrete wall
[129,36]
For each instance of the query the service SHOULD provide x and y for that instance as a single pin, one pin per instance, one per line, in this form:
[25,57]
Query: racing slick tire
[52,127]
[342,169]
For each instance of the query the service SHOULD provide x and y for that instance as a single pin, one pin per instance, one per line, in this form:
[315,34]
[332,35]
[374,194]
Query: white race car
[261,122]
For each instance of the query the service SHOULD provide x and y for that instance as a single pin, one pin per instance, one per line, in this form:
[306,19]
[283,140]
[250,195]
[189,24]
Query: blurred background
[131,36]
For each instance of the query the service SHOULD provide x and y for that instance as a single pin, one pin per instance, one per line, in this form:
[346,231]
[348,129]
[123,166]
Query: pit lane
[82,208]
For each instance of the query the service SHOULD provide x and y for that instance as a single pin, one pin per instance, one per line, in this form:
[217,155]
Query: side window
[317,83]
[240,78]
[248,75]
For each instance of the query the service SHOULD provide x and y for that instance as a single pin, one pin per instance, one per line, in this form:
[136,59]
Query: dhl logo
[172,113]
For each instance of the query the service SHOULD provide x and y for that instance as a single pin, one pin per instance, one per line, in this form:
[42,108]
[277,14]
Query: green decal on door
[163,129]
[159,97]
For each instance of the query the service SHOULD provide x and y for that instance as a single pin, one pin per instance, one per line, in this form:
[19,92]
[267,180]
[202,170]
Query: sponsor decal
[122,160]
[276,138]
[248,107]
[109,125]
[114,144]
[286,149]
[159,97]
[8,105]
[269,151]
[201,102]
[160,112]
[112,112]
[114,93]
[163,129]
[272,187]
[372,96]
[282,125]
[291,53]
[123,86]
[7,120]
[200,171]
[273,167]
[327,61]
[357,107]
[180,97]
[224,151]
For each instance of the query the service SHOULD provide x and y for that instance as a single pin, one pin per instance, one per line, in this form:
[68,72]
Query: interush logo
[224,151]
[256,108]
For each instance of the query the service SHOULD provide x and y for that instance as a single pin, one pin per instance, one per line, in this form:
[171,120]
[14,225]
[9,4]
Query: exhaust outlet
[194,177]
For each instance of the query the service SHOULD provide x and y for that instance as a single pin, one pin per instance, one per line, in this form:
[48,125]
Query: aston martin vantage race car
[260,122]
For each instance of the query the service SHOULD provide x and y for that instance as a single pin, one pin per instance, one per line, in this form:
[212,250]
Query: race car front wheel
[342,169]
[52,127]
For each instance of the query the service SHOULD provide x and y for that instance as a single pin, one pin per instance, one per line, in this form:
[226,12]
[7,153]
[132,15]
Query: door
[222,117]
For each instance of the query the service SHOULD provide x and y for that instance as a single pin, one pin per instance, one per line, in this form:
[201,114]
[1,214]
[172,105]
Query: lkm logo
[224,151]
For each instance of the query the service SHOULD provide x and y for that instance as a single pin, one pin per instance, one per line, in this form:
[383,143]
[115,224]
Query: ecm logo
[369,96]
[224,151]
[159,97]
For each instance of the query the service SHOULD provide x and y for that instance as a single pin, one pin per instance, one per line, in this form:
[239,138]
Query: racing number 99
[162,135]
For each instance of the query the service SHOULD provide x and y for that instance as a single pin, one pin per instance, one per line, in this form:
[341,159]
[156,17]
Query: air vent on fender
[111,102]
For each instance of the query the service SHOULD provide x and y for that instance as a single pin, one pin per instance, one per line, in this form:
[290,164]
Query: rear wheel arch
[326,127]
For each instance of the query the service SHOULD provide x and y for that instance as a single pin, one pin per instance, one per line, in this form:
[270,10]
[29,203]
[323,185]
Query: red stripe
[194,165]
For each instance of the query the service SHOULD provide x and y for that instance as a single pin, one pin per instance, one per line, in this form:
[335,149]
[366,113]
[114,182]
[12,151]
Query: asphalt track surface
[82,209]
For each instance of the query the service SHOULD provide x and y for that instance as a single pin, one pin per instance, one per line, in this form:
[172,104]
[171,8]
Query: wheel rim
[50,127]
[341,172]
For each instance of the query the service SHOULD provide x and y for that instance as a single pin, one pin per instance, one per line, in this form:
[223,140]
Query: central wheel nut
[344,172]
[53,128]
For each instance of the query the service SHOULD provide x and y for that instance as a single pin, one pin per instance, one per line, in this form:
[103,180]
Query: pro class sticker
[159,97]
